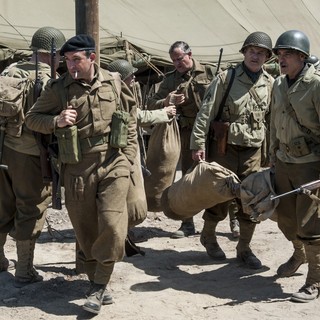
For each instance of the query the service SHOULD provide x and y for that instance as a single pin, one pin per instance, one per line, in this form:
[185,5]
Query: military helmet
[258,39]
[123,67]
[293,40]
[42,39]
[313,60]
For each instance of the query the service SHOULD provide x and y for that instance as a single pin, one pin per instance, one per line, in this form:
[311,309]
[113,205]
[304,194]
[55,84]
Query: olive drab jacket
[26,142]
[193,84]
[289,142]
[245,110]
[94,104]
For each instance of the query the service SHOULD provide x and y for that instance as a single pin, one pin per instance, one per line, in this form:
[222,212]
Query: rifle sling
[224,99]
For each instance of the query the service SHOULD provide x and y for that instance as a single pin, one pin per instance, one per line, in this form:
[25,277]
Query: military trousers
[298,215]
[185,153]
[95,195]
[23,196]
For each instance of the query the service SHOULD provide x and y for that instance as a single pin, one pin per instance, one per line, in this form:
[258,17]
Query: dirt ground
[175,279]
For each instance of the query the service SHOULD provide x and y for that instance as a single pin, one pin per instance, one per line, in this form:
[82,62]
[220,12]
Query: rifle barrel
[305,188]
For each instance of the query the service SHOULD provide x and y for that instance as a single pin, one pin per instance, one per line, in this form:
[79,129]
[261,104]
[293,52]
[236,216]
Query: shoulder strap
[223,101]
[307,131]
[116,85]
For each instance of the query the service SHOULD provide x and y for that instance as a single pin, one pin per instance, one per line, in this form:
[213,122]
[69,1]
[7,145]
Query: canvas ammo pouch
[119,129]
[220,132]
[257,119]
[298,147]
[69,145]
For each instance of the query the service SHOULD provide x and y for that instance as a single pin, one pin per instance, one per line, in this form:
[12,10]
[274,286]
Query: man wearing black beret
[82,104]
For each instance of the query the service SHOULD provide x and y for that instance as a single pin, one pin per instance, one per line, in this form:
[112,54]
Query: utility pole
[87,21]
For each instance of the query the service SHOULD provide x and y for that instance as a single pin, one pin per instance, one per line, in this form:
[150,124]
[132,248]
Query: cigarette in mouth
[76,74]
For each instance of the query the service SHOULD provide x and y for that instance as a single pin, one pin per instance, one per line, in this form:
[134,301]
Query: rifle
[219,61]
[53,147]
[2,134]
[303,189]
[41,139]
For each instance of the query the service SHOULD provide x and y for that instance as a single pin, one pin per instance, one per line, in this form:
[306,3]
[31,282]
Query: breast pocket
[107,103]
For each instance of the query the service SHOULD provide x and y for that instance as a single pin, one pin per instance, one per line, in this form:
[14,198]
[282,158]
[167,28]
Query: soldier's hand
[67,117]
[170,110]
[174,98]
[198,155]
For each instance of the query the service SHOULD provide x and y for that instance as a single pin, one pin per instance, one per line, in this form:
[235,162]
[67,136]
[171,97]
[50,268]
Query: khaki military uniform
[97,186]
[23,198]
[246,115]
[151,117]
[296,155]
[193,84]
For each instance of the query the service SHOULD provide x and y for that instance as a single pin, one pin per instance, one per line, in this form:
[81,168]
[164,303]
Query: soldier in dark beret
[84,103]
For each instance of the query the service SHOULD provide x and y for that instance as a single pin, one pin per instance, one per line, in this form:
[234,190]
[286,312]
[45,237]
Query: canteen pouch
[298,147]
[119,129]
[220,131]
[69,146]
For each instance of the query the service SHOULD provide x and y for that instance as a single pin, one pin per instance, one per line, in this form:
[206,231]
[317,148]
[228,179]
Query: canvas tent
[151,26]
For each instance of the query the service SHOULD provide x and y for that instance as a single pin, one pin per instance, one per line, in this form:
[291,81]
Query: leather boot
[186,229]
[5,264]
[25,271]
[209,240]
[310,291]
[94,301]
[244,252]
[289,268]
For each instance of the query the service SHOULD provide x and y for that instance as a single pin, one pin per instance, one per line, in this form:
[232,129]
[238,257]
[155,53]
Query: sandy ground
[175,279]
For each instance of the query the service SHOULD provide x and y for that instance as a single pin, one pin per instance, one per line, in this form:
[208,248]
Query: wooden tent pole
[87,21]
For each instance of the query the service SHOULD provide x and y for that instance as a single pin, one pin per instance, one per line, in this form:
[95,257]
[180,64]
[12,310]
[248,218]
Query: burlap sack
[162,158]
[255,193]
[203,187]
[136,198]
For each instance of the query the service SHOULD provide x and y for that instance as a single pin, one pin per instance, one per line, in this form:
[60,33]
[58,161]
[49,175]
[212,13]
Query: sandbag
[204,186]
[162,159]
[255,193]
[136,197]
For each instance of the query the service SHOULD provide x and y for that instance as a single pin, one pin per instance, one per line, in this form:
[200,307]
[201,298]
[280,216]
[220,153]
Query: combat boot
[25,271]
[95,299]
[186,229]
[310,291]
[244,252]
[5,264]
[289,268]
[209,240]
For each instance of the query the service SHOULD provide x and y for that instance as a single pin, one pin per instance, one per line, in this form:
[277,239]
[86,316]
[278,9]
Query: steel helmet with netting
[258,39]
[43,38]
